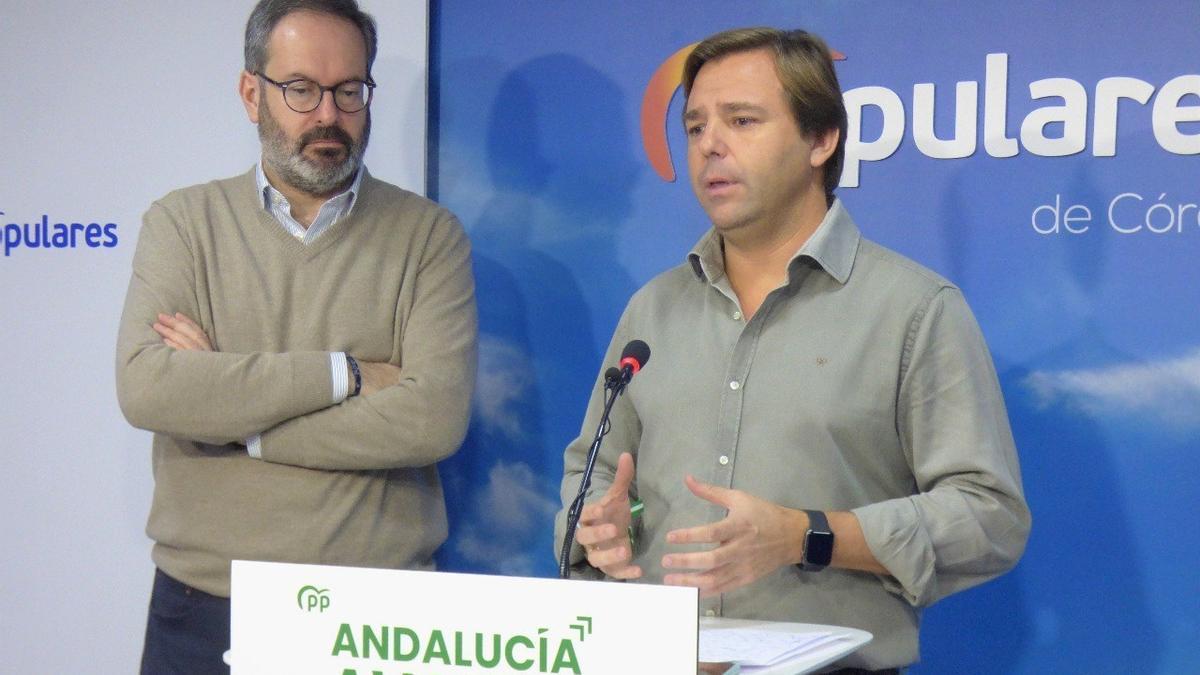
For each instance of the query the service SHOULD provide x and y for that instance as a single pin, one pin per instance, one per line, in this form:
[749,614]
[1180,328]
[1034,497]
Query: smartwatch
[818,543]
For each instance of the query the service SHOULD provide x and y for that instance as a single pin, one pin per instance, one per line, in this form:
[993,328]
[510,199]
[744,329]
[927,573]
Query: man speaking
[299,338]
[820,436]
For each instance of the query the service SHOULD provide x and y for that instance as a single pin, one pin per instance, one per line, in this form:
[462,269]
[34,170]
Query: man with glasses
[299,338]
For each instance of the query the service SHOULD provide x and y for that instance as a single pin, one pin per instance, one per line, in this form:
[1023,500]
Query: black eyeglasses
[303,95]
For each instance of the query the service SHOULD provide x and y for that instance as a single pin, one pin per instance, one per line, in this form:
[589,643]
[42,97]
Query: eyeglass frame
[283,86]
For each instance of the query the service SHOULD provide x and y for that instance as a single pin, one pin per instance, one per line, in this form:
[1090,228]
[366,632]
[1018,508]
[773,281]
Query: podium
[327,620]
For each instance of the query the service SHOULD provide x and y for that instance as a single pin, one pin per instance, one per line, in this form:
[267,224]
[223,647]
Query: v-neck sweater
[353,483]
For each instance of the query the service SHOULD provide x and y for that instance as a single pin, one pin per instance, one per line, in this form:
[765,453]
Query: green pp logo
[311,598]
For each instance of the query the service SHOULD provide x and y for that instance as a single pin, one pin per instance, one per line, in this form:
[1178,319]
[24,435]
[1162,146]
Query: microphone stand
[614,385]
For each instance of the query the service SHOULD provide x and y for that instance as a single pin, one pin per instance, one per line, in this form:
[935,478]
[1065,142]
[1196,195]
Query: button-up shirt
[862,384]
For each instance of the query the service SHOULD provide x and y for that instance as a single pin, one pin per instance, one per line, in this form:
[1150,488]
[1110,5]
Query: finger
[168,327]
[592,514]
[609,557]
[193,330]
[710,582]
[176,339]
[597,535]
[607,510]
[624,477]
[187,320]
[172,338]
[624,572]
[696,560]
[711,493]
[710,533]
[701,580]
[186,328]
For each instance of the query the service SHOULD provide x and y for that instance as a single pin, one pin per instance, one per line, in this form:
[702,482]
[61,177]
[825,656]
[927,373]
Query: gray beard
[300,172]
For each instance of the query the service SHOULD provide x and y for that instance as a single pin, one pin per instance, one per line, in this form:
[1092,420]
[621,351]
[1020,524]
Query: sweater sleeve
[211,397]
[424,418]
[969,522]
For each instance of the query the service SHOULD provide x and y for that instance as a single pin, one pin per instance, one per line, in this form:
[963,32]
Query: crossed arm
[171,380]
[180,332]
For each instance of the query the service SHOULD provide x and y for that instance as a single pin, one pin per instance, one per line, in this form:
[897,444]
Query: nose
[326,112]
[711,141]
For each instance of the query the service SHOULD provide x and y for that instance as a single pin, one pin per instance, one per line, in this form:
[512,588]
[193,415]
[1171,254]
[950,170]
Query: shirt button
[723,460]
[737,316]
[710,612]
[735,385]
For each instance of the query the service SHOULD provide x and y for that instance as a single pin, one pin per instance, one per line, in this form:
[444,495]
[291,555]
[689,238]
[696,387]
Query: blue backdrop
[1059,191]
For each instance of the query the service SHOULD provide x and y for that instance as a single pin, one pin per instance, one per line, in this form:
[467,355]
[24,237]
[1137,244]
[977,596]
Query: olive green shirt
[862,384]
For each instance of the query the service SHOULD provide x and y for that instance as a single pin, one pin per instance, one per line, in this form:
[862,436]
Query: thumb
[624,477]
[710,493]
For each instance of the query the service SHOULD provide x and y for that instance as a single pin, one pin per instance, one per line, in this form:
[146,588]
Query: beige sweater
[348,484]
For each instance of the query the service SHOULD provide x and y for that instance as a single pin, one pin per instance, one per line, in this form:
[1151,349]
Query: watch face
[818,549]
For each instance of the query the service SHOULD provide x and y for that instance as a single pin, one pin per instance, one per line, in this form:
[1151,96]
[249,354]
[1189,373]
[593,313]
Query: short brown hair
[805,69]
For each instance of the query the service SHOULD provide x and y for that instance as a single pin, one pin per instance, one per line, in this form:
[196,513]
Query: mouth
[718,185]
[326,145]
[326,149]
[327,142]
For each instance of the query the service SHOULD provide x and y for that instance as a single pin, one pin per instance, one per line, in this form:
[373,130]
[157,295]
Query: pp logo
[311,598]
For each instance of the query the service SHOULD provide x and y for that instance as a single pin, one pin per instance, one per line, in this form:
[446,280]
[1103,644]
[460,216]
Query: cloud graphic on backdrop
[1166,391]
[505,375]
[516,511]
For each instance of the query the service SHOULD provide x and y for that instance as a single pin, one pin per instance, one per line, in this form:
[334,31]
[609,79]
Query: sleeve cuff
[339,371]
[254,446]
[897,538]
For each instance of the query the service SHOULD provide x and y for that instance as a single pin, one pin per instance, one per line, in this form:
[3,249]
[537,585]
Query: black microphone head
[636,354]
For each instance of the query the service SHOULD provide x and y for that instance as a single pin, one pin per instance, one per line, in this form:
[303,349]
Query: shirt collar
[832,247]
[266,189]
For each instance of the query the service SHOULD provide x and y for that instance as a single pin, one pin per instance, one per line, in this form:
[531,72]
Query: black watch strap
[357,374]
[818,543]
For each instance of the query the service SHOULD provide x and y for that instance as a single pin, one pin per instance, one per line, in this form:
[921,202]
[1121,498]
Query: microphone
[636,354]
[633,359]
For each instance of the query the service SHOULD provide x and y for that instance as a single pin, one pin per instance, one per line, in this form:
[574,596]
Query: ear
[824,143]
[249,90]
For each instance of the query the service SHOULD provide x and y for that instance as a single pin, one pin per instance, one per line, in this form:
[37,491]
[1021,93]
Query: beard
[332,168]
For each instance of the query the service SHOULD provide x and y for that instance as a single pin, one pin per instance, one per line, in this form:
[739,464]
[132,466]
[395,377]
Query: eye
[743,121]
[694,129]
[300,88]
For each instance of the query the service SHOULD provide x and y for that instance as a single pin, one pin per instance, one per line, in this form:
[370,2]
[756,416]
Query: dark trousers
[187,631]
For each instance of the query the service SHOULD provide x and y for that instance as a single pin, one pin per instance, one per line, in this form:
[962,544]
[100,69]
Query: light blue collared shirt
[330,212]
[333,210]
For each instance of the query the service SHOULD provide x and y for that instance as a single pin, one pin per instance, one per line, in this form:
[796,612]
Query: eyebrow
[726,109]
[297,75]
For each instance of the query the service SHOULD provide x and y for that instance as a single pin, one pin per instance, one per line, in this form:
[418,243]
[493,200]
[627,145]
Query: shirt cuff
[254,446]
[340,373]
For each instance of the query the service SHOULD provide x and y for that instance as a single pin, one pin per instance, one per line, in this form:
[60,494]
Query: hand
[755,538]
[376,376]
[604,527]
[180,332]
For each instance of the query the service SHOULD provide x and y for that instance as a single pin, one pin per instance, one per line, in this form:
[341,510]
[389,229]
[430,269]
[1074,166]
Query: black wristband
[818,543]
[357,376]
